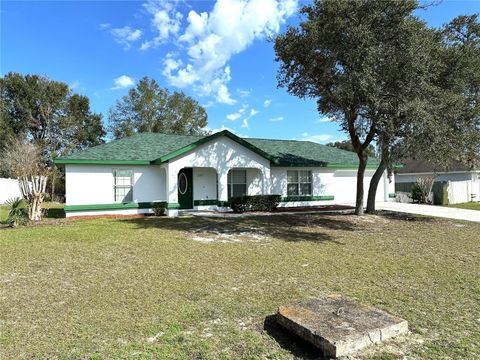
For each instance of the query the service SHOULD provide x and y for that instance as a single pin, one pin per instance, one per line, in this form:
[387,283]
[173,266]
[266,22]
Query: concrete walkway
[430,210]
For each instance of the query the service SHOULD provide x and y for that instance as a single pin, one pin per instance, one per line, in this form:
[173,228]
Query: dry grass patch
[123,288]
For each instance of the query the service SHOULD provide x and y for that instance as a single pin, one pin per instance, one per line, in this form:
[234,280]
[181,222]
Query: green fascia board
[173,206]
[206,139]
[205,202]
[307,198]
[114,206]
[101,162]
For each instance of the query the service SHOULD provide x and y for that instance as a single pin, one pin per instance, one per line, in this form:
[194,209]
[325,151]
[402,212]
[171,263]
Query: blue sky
[215,51]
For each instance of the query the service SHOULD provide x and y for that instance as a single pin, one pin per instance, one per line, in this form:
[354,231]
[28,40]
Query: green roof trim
[100,162]
[206,139]
[155,148]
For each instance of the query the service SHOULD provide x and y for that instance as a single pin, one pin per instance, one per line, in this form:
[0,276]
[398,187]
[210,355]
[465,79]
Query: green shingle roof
[146,148]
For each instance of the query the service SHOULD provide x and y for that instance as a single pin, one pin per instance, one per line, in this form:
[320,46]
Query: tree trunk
[362,164]
[53,187]
[33,191]
[372,190]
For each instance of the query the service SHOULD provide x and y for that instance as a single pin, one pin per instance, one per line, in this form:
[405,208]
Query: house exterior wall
[204,184]
[93,185]
[221,154]
[337,183]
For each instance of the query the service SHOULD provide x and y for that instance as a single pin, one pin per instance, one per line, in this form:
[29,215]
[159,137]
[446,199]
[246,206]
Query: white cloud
[223,127]
[208,104]
[122,82]
[252,113]
[316,138]
[267,103]
[238,114]
[325,119]
[211,39]
[124,36]
[166,21]
[275,119]
[243,93]
[246,112]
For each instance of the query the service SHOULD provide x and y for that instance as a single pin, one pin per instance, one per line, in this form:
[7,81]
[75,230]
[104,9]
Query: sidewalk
[431,210]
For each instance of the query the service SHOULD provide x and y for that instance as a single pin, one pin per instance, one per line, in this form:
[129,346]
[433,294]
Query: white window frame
[230,182]
[299,182]
[122,186]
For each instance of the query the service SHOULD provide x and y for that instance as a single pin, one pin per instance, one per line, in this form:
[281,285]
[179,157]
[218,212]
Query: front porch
[208,189]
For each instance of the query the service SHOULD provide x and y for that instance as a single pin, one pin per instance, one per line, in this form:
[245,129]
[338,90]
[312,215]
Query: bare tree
[23,160]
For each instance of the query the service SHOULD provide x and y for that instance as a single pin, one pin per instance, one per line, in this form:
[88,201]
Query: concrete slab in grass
[339,326]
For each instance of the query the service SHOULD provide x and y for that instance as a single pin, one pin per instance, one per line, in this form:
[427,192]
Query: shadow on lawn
[284,227]
[291,342]
[391,215]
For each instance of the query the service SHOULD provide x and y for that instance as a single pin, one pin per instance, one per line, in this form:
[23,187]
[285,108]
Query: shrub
[422,188]
[18,214]
[254,203]
[238,204]
[417,194]
[159,208]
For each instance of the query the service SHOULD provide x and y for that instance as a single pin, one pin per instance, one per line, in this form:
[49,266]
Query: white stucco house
[201,172]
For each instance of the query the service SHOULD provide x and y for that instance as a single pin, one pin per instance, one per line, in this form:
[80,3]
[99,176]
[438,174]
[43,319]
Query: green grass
[468,206]
[204,288]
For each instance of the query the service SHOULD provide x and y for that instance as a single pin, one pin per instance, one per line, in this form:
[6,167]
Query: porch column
[267,182]
[172,192]
[223,185]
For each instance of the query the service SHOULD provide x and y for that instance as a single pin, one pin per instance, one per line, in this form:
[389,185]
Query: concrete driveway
[430,210]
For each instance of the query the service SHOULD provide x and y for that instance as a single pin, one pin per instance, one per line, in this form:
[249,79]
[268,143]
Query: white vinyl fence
[463,191]
[9,190]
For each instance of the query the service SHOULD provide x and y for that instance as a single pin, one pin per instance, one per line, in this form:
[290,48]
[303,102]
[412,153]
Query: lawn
[468,206]
[206,288]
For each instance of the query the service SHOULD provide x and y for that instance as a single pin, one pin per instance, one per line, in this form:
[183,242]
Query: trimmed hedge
[254,203]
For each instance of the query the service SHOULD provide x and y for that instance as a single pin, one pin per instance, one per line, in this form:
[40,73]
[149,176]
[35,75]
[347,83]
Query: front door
[185,188]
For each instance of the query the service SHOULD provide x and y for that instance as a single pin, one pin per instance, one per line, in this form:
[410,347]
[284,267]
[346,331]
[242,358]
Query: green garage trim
[205,202]
[307,198]
[114,206]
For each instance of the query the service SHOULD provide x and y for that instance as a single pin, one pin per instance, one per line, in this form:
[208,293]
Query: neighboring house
[202,172]
[462,184]
[9,189]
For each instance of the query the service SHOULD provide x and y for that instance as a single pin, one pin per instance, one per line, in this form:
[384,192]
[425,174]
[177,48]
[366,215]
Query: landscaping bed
[153,287]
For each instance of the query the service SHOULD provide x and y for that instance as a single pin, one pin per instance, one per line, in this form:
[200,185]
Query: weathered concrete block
[339,326]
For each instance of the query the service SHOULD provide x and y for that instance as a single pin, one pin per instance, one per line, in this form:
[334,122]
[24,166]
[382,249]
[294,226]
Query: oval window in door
[182,183]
